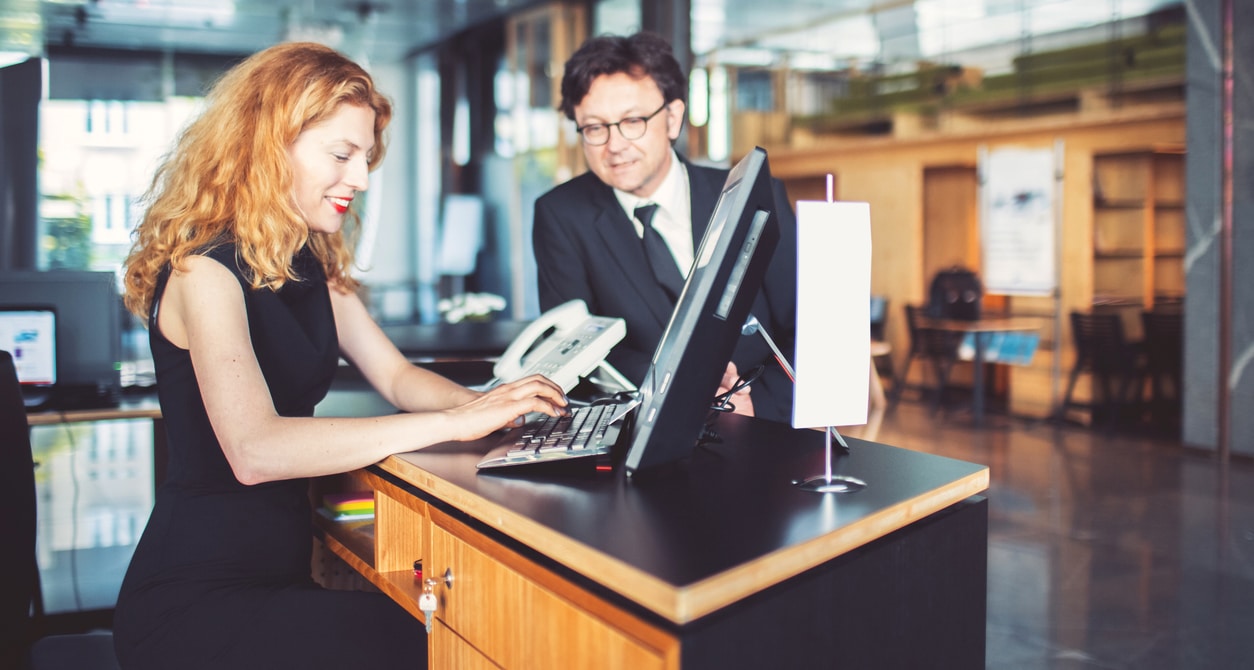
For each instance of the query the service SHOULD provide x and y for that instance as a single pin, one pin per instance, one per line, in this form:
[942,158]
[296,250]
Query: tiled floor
[1105,551]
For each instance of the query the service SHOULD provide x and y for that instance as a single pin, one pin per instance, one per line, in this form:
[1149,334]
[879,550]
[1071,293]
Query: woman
[241,270]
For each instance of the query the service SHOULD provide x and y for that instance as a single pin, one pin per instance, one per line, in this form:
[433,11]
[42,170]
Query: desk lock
[427,602]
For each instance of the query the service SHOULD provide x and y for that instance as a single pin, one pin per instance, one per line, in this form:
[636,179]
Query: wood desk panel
[450,651]
[690,541]
[721,563]
[519,623]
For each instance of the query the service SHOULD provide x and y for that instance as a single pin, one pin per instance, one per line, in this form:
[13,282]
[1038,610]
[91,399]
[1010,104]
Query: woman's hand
[505,405]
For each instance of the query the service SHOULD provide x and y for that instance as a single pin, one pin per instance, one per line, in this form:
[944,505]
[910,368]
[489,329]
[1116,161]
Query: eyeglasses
[631,128]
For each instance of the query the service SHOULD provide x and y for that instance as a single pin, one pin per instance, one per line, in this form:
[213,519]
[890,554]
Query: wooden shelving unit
[1138,227]
[388,568]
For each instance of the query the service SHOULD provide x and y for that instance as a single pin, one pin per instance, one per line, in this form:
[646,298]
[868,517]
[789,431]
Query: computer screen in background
[29,334]
[692,355]
[88,338]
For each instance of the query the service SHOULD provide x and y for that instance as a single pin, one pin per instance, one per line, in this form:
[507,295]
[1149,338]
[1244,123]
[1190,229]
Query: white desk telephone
[565,344]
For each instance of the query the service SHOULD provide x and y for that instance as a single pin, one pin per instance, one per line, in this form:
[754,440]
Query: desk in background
[463,341]
[143,406]
[457,350]
[464,352]
[723,563]
[982,330]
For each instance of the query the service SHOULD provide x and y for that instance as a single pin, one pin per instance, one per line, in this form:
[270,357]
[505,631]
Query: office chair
[1115,364]
[938,346]
[21,608]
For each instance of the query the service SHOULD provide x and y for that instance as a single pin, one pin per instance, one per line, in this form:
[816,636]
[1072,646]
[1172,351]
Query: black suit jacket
[587,248]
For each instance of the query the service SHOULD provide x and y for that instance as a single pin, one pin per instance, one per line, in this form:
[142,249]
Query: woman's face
[329,166]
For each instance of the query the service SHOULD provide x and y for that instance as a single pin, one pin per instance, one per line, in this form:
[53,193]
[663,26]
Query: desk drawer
[450,651]
[519,623]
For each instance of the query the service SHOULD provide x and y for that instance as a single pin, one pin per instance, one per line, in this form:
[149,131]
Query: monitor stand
[37,398]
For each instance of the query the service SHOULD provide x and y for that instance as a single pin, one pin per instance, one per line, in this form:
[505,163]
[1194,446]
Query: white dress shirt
[673,219]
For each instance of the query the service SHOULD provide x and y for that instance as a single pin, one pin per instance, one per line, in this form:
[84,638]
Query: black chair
[1116,365]
[938,346]
[881,349]
[1164,357]
[21,605]
[879,316]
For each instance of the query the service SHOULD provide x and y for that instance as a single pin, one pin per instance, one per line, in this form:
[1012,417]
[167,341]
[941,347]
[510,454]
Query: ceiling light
[744,57]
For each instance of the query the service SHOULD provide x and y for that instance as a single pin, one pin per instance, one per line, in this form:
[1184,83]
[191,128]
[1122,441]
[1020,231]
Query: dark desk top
[727,523]
[468,340]
[463,352]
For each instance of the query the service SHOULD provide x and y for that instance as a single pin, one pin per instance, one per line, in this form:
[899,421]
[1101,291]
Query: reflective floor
[1105,551]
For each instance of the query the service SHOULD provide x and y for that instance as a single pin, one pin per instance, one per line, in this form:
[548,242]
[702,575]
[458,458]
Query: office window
[932,64]
[620,17]
[97,161]
[754,90]
[107,118]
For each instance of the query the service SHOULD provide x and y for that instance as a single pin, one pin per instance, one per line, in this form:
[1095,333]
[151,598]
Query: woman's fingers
[507,404]
[536,386]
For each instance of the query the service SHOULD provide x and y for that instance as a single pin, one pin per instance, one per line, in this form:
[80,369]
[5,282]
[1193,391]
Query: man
[626,96]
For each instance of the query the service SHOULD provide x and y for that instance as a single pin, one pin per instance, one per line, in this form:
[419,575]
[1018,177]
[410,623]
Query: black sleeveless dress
[221,577]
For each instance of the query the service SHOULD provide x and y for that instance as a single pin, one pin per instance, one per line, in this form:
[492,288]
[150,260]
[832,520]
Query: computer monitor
[692,355]
[29,334]
[88,337]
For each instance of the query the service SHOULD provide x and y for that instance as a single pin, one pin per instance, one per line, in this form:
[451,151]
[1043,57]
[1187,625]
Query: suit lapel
[703,191]
[619,237]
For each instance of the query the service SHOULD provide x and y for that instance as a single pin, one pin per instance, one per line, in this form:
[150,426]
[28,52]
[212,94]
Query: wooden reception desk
[719,563]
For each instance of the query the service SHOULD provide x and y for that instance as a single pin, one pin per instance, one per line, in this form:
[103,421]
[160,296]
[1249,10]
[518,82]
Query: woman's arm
[203,311]
[406,386]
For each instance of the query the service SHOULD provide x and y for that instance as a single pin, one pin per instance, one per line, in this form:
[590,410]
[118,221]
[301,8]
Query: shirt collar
[670,194]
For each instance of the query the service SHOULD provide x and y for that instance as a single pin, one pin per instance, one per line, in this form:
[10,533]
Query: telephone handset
[564,344]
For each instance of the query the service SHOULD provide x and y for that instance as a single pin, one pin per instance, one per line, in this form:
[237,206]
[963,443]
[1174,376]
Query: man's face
[636,166]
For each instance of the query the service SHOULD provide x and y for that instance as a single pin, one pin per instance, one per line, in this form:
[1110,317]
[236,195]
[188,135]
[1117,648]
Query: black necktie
[658,255]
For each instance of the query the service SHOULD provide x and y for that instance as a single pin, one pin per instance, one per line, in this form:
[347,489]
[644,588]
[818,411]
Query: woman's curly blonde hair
[229,177]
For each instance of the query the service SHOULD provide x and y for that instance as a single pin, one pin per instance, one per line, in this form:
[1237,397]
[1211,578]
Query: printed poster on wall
[1017,230]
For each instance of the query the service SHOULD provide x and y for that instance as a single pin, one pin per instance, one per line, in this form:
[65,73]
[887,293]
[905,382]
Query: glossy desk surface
[724,525]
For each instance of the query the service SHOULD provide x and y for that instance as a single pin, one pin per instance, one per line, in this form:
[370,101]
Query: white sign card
[833,357]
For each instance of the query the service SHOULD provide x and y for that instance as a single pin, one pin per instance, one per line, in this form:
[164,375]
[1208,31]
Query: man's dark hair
[640,55]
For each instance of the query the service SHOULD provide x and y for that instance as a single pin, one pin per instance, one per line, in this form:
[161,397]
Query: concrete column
[20,90]
[1219,375]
